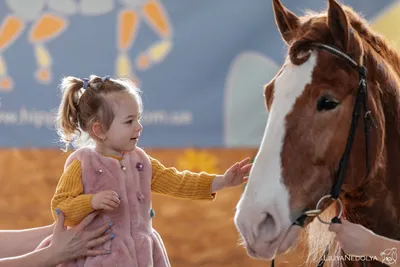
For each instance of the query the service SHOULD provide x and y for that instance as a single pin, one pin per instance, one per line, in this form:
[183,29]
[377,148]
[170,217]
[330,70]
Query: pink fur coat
[136,243]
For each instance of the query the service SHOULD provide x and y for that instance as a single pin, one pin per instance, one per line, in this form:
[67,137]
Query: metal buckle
[368,116]
[313,213]
[340,208]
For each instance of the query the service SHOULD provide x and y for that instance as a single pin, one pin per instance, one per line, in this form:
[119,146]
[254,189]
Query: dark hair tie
[85,83]
[105,78]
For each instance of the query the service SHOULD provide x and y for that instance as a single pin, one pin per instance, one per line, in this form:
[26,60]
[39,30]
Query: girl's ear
[98,131]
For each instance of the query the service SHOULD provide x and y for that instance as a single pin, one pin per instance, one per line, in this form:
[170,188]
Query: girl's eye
[129,122]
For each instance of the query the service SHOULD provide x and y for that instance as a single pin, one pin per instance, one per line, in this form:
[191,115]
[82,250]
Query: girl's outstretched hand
[234,176]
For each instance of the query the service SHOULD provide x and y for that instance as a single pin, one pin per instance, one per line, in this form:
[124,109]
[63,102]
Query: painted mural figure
[47,19]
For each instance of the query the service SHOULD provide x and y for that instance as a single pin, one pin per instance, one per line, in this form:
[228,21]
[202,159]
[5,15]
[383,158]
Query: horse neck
[381,214]
[389,82]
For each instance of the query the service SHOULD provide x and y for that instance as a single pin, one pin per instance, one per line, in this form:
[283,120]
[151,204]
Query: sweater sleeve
[181,184]
[69,197]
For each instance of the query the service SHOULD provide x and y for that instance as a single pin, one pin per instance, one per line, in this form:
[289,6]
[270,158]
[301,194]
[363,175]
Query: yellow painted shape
[49,26]
[127,28]
[387,24]
[197,161]
[10,30]
[43,76]
[123,66]
[6,84]
[3,67]
[158,51]
[142,62]
[156,16]
[43,57]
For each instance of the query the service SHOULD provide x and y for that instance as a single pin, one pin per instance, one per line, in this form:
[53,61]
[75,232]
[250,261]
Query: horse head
[311,103]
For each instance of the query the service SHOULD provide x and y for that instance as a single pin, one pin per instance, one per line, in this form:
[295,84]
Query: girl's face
[125,129]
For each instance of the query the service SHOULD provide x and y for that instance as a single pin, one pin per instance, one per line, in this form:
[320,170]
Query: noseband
[360,103]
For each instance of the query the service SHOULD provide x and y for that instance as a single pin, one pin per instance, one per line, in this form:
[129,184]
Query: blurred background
[201,66]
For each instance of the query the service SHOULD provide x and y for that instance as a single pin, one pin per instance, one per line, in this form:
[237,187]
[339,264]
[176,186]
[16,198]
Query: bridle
[360,103]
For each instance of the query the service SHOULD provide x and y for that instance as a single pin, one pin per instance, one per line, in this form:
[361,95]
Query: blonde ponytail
[68,112]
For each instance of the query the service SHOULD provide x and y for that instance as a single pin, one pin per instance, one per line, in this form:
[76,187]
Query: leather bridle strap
[360,103]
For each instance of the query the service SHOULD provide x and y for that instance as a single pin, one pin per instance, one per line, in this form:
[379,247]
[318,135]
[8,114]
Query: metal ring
[340,207]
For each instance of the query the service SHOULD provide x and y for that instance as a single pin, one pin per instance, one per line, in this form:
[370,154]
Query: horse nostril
[267,226]
[270,220]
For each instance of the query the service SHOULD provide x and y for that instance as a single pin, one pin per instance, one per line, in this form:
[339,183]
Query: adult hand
[354,239]
[76,242]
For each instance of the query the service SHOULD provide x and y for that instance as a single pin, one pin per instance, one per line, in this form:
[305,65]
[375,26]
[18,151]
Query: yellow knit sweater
[75,205]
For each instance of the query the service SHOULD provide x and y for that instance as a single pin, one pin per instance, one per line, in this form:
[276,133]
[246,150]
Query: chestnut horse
[313,150]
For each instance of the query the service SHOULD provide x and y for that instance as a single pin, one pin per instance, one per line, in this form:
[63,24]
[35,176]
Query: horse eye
[326,103]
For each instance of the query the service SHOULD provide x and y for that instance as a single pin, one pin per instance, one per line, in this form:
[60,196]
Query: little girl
[116,176]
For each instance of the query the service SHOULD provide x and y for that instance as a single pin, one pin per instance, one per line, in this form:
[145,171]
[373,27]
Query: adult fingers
[59,227]
[335,227]
[99,241]
[99,231]
[96,252]
[85,222]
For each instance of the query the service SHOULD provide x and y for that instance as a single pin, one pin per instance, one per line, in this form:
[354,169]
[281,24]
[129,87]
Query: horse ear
[338,24]
[287,21]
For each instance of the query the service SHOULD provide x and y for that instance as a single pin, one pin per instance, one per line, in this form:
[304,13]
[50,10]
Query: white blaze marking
[265,189]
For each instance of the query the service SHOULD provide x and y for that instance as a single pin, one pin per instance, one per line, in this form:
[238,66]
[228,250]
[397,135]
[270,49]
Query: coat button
[152,213]
[123,168]
[140,197]
[99,172]
[139,166]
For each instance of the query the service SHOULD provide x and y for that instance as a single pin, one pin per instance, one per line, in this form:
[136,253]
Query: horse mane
[318,237]
[373,39]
